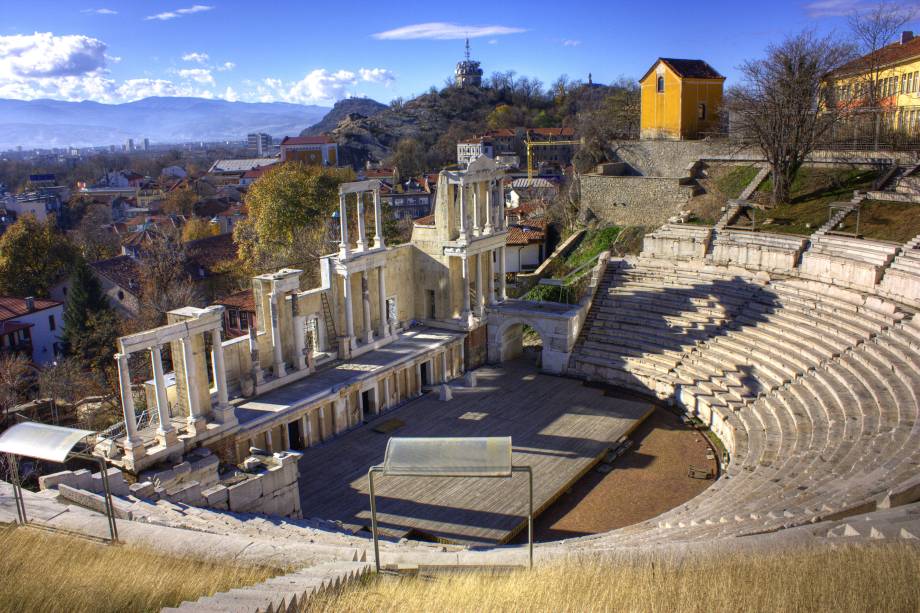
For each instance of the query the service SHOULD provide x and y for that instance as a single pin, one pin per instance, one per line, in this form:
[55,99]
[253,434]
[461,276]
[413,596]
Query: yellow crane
[544,143]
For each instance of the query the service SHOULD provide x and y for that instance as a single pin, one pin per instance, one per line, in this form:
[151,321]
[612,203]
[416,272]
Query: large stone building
[311,150]
[385,321]
[681,99]
[894,71]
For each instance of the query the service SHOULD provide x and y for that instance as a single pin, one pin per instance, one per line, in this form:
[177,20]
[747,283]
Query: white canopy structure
[52,444]
[486,457]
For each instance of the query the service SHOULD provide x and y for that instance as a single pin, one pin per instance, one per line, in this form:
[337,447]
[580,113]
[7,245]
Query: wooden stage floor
[558,426]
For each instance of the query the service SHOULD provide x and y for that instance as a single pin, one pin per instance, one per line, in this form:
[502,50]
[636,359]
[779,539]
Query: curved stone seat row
[813,388]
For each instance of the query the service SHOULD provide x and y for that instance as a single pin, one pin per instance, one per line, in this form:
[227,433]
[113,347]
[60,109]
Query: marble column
[220,371]
[478,281]
[464,231]
[278,358]
[322,424]
[195,418]
[300,342]
[382,302]
[366,301]
[488,227]
[268,441]
[133,444]
[502,296]
[166,434]
[362,235]
[490,278]
[344,247]
[379,242]
[255,362]
[349,313]
[444,375]
[306,430]
[285,437]
[476,229]
[386,392]
[465,272]
[418,377]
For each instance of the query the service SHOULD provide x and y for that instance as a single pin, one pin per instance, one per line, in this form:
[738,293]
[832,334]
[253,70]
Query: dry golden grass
[851,578]
[41,571]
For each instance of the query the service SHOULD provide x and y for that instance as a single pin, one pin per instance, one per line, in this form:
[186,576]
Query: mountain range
[56,123]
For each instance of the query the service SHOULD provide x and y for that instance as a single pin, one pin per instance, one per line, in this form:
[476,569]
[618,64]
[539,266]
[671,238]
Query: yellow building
[895,69]
[681,99]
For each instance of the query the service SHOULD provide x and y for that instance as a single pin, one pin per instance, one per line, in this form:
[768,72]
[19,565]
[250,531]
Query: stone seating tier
[835,422]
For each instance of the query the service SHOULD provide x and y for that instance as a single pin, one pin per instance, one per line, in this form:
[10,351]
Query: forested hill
[433,122]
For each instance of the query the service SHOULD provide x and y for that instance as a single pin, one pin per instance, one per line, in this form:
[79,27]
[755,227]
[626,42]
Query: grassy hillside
[887,221]
[723,182]
[40,571]
[848,578]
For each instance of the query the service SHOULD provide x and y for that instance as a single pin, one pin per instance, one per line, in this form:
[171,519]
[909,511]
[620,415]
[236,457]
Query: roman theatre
[799,355]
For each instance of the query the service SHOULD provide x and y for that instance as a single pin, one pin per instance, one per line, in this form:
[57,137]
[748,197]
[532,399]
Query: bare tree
[783,105]
[871,31]
[166,283]
[14,381]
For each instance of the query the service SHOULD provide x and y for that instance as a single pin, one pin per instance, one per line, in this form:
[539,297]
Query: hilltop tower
[468,71]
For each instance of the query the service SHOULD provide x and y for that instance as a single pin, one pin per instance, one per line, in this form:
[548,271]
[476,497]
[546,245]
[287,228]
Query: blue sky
[313,52]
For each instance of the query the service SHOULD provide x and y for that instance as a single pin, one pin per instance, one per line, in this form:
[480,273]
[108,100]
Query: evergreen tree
[86,307]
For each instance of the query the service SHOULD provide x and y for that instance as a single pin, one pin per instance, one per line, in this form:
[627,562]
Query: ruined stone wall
[633,201]
[659,158]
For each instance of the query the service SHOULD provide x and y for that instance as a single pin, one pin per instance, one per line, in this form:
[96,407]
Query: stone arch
[505,337]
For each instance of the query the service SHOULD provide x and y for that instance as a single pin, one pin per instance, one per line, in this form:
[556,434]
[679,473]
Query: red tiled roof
[552,131]
[210,251]
[307,140]
[890,54]
[524,235]
[11,307]
[242,300]
[8,327]
[122,271]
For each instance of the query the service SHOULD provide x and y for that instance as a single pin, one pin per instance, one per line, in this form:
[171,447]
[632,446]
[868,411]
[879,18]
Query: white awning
[448,457]
[41,441]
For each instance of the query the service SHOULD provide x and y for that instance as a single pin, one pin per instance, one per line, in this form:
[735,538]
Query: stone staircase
[282,593]
[759,178]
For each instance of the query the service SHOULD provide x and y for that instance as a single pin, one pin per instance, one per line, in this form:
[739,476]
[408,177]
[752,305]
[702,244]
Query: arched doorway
[518,340]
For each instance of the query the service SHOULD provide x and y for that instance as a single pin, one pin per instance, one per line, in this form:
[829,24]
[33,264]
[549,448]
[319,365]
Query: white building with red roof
[31,327]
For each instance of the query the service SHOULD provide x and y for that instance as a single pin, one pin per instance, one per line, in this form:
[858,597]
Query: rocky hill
[425,118]
[342,109]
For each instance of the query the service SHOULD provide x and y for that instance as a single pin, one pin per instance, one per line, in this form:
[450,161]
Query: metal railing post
[527,469]
[370,478]
[17,489]
[109,507]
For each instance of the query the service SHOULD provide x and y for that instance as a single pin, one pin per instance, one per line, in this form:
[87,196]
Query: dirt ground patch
[646,481]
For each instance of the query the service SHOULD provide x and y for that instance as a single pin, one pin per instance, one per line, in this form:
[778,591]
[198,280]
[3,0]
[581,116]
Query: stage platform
[558,426]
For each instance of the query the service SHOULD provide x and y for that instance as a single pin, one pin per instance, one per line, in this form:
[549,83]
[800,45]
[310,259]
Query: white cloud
[44,55]
[198,75]
[569,42]
[437,30]
[102,11]
[230,94]
[493,41]
[377,75]
[166,16]
[320,86]
[832,8]
[194,56]
[226,66]
[135,89]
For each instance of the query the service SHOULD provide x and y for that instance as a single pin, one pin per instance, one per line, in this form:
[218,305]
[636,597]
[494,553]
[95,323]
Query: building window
[51,323]
[701,110]
[660,85]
